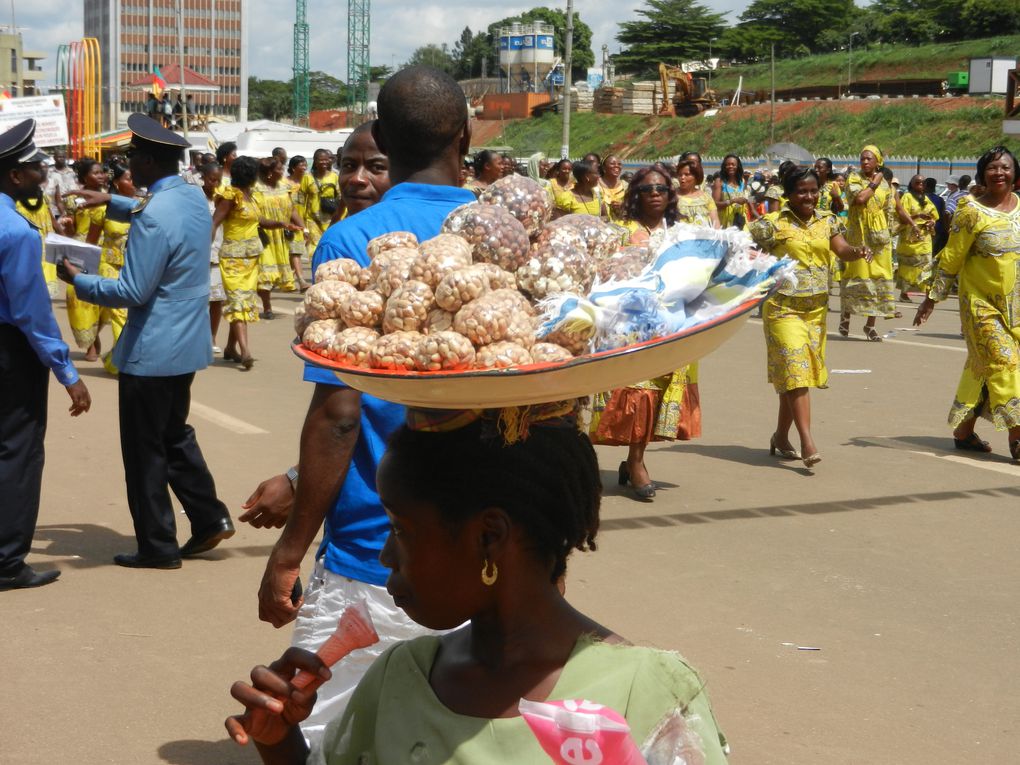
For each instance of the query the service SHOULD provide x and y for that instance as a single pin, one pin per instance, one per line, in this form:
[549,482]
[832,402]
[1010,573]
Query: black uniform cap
[148,134]
[17,145]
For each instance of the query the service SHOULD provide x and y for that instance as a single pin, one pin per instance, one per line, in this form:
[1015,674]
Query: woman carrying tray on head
[983,258]
[664,409]
[481,530]
[794,317]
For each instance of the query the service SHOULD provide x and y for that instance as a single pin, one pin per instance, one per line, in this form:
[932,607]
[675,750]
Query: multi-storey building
[20,71]
[137,36]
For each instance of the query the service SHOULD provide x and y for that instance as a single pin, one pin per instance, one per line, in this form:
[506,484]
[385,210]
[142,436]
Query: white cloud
[398,28]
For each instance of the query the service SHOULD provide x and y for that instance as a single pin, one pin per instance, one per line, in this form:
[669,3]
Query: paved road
[863,613]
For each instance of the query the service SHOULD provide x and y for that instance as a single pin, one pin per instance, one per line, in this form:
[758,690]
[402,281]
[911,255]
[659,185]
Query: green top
[395,717]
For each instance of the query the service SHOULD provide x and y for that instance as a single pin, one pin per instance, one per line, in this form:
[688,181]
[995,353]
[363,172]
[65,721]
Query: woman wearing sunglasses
[666,408]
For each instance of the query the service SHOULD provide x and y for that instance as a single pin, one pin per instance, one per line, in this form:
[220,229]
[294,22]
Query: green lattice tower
[301,99]
[358,38]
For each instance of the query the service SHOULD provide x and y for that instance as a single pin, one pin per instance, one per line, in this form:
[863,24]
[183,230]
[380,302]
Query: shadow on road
[193,752]
[936,444]
[87,545]
[808,508]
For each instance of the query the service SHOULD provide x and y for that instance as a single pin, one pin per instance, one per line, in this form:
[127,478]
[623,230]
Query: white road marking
[224,420]
[995,467]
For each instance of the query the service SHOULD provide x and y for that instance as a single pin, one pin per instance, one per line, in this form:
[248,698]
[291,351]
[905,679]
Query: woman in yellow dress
[914,246]
[84,317]
[694,205]
[614,188]
[37,212]
[794,317]
[866,287]
[238,212]
[666,408]
[562,180]
[321,189]
[830,190]
[296,169]
[278,220]
[585,197]
[982,257]
[113,243]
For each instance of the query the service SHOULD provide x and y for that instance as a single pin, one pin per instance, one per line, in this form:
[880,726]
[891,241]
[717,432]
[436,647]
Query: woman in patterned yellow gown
[37,212]
[84,317]
[237,211]
[614,188]
[585,197]
[914,247]
[694,205]
[866,288]
[321,189]
[113,242]
[278,218]
[666,408]
[296,169]
[982,257]
[794,317]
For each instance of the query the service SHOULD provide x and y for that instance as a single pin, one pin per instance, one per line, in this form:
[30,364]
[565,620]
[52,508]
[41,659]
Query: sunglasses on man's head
[648,188]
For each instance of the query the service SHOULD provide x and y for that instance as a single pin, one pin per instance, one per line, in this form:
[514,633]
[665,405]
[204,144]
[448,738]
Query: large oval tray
[539,383]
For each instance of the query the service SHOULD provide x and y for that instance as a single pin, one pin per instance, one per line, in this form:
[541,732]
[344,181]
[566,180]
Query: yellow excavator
[692,95]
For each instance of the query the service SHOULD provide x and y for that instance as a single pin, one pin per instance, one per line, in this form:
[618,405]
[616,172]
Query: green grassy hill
[874,62]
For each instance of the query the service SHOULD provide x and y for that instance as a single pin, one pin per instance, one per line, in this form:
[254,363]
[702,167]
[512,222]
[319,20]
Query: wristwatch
[292,476]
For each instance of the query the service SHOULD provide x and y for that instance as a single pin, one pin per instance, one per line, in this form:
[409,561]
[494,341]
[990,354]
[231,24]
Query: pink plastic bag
[581,733]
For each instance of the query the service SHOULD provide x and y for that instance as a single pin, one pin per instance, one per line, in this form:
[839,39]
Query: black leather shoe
[208,538]
[134,560]
[28,577]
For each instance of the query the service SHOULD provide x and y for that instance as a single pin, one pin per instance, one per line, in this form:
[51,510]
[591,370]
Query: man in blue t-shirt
[424,131]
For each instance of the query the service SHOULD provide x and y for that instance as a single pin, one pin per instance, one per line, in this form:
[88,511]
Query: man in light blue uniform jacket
[30,347]
[165,287]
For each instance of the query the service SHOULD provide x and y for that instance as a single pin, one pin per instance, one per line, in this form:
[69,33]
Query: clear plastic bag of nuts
[625,264]
[601,238]
[391,241]
[494,234]
[323,299]
[354,345]
[502,355]
[320,336]
[557,265]
[397,351]
[438,257]
[445,350]
[408,307]
[339,270]
[523,198]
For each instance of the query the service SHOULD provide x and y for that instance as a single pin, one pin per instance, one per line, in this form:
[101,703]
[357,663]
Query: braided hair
[548,484]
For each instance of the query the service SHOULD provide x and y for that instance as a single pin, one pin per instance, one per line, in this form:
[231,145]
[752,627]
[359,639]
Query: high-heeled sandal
[248,362]
[645,493]
[1014,450]
[812,459]
[872,334]
[844,326]
[784,454]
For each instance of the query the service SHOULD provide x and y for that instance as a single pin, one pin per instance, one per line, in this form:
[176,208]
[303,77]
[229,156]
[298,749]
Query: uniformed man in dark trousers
[165,287]
[30,346]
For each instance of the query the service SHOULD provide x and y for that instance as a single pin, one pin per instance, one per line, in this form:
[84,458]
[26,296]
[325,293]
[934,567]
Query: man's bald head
[422,114]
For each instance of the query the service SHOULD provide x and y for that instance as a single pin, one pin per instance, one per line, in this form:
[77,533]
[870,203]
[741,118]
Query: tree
[270,99]
[379,73]
[436,56]
[469,51]
[793,25]
[326,91]
[672,31]
[582,56]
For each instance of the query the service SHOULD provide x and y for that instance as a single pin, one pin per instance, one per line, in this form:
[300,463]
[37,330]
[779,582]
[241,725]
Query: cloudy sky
[397,27]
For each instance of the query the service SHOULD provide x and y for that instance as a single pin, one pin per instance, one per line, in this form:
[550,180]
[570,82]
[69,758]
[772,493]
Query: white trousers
[326,597]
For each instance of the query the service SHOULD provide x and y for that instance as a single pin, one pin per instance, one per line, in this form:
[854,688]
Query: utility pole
[850,64]
[180,64]
[568,54]
[772,114]
[710,41]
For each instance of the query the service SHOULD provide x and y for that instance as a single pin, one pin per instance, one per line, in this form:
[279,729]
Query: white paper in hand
[82,255]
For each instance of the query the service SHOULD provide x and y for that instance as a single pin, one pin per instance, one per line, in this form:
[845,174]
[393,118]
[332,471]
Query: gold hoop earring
[489,579]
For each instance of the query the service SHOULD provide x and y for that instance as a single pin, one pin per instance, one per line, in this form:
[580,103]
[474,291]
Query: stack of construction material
[609,100]
[643,98]
[581,100]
